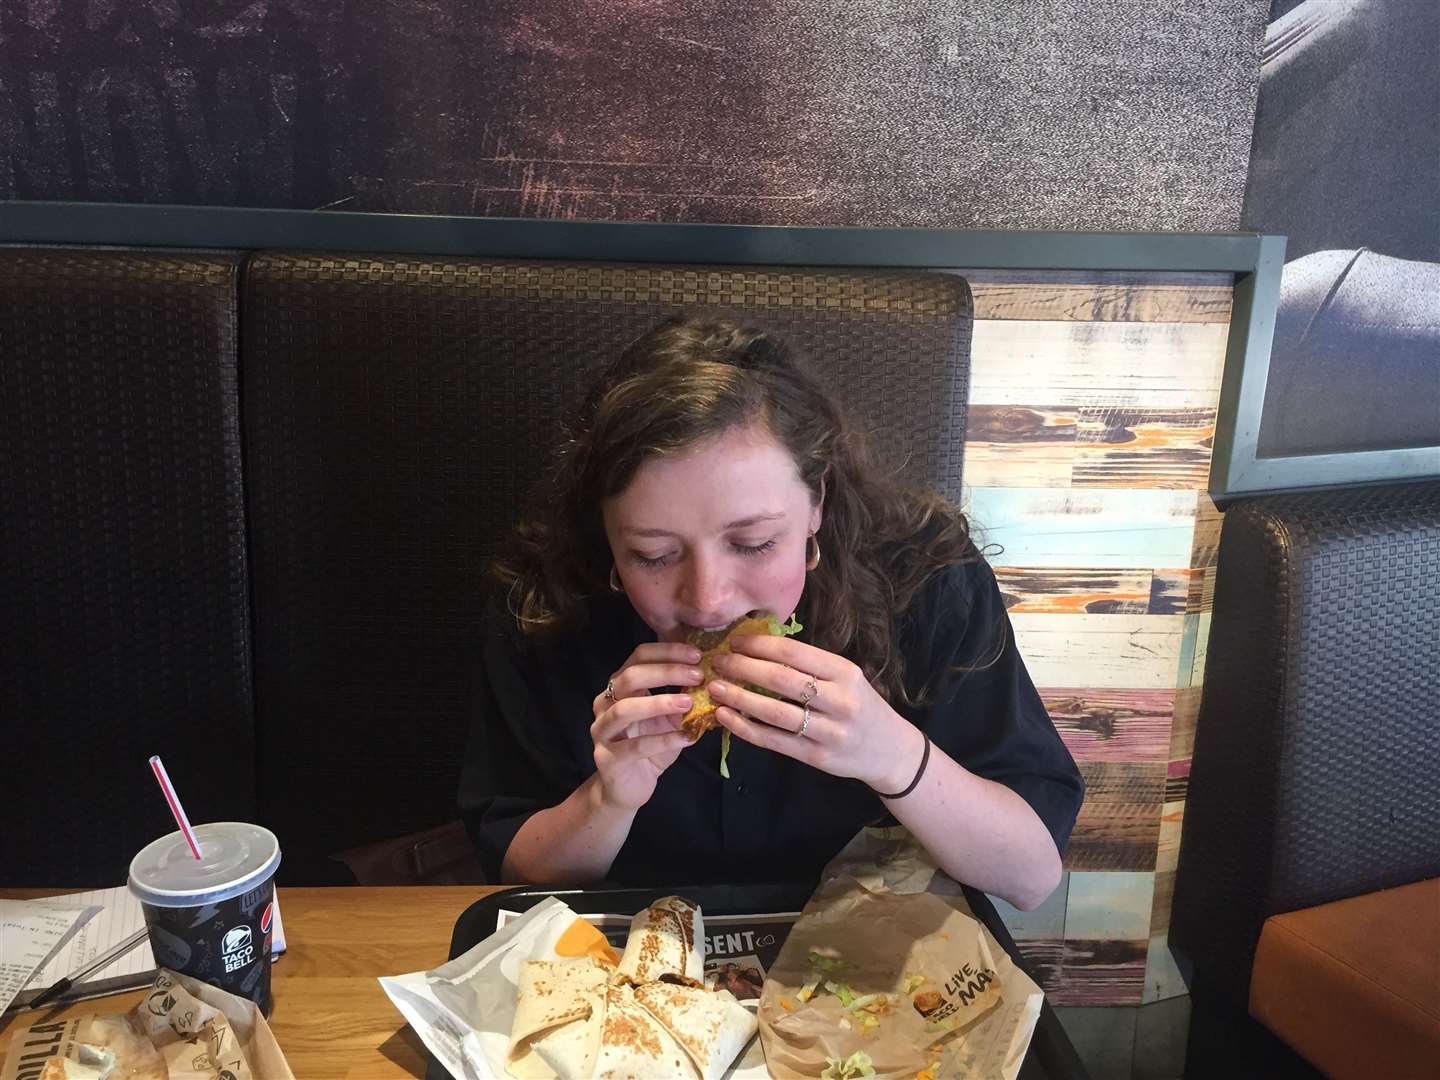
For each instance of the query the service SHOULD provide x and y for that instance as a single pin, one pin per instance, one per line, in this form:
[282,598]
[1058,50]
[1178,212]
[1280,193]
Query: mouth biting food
[713,643]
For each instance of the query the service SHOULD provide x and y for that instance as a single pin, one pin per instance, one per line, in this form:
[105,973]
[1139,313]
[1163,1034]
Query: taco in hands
[712,643]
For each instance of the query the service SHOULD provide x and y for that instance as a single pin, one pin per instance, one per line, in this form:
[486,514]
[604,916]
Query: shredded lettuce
[786,629]
[822,962]
[777,629]
[873,1002]
[857,1064]
[841,991]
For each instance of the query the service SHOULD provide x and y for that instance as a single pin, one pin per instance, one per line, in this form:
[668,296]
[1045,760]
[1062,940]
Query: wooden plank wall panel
[1084,591]
[1165,448]
[1100,650]
[1101,724]
[1101,973]
[1119,824]
[1045,958]
[1136,365]
[1092,416]
[1073,527]
[1101,297]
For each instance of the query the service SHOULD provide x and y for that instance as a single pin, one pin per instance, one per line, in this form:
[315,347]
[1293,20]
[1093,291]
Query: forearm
[572,843]
[980,832]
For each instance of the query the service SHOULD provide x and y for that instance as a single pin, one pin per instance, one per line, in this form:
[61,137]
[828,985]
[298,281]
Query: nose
[704,590]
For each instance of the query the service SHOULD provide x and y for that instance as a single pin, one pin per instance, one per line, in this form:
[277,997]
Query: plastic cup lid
[237,858]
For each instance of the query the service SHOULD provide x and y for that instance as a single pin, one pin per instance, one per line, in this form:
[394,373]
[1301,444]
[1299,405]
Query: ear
[817,512]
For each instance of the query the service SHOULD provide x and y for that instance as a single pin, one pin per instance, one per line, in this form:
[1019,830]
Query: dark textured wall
[1076,113]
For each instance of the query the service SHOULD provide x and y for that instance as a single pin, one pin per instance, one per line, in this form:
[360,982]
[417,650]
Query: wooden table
[331,1017]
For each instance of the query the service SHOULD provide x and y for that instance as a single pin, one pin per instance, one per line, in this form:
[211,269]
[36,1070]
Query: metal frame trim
[1257,261]
[527,238]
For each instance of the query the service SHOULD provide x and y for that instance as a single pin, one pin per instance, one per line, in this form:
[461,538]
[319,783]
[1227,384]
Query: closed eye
[655,562]
[758,549]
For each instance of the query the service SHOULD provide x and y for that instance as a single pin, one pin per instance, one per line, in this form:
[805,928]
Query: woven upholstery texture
[1317,748]
[122,555]
[397,412]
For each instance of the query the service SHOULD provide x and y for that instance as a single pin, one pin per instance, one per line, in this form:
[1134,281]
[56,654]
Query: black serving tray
[1051,1055]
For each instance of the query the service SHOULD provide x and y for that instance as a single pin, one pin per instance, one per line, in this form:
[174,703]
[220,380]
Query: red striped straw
[163,779]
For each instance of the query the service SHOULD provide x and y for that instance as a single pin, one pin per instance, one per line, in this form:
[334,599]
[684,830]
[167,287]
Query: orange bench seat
[1354,985]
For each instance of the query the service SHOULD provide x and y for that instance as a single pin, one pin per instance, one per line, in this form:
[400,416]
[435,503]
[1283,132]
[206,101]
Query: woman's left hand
[852,730]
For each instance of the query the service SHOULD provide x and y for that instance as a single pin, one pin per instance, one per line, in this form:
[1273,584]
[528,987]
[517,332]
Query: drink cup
[211,917]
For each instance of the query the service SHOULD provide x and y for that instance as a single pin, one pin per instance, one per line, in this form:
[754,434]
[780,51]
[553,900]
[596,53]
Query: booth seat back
[1316,771]
[124,627]
[266,558]
[397,412]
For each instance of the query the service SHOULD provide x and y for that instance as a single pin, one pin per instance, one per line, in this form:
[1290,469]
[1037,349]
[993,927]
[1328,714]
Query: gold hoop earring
[615,585]
[812,552]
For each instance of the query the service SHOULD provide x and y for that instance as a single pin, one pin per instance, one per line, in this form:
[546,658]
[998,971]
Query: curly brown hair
[689,380]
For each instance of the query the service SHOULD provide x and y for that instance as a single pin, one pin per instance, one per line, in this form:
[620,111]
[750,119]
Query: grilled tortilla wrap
[665,942]
[712,1028]
[635,1044]
[559,1011]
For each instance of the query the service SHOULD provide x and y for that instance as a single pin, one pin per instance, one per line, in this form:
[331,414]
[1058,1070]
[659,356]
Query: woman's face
[702,537]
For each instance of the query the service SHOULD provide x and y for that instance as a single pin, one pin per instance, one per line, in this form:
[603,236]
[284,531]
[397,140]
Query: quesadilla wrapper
[553,996]
[712,1028]
[635,1044]
[665,942]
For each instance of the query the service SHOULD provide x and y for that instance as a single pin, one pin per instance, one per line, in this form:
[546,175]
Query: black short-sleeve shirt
[775,819]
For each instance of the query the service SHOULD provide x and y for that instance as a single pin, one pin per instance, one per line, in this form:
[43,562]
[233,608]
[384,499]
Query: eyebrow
[740,523]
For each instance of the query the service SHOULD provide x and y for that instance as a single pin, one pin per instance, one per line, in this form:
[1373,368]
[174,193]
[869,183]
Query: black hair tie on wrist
[924,760]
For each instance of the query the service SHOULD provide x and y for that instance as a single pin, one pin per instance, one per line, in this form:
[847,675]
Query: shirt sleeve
[984,711]
[516,761]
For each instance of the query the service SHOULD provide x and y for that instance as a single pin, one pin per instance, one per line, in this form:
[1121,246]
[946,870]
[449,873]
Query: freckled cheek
[651,598]
[785,586]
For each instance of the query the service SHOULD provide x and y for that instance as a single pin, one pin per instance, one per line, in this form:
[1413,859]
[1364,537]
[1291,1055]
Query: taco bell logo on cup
[237,949]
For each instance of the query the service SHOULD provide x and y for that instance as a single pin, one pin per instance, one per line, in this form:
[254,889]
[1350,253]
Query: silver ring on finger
[610,691]
[811,692]
[804,719]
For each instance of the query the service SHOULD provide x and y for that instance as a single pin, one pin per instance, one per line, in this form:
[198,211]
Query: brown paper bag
[182,1030]
[920,918]
[893,975]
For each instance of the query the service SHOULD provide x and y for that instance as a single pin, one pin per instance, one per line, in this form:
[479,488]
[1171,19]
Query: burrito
[581,1016]
[558,1015]
[712,1028]
[664,943]
[635,1044]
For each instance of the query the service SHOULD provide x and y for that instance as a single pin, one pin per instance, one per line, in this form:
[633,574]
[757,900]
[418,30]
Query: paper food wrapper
[885,921]
[182,1030]
[465,1010]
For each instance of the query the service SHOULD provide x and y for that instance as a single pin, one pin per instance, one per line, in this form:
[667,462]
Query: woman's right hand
[637,734]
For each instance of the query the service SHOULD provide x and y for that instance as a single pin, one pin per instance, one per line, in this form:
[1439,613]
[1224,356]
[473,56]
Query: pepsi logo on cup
[265,918]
